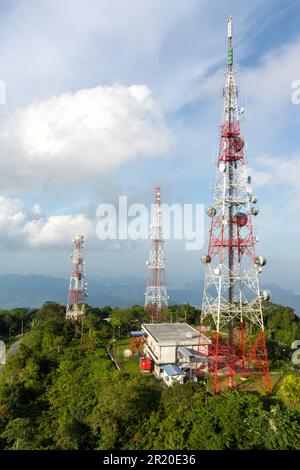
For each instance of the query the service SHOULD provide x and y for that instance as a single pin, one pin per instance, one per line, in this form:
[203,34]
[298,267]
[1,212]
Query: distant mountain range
[34,290]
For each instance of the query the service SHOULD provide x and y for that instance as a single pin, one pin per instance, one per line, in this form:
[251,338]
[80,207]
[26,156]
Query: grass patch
[128,365]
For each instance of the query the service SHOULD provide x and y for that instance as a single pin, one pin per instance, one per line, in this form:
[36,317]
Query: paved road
[14,349]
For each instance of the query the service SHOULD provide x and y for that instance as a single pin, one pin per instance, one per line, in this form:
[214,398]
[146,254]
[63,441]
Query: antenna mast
[156,298]
[77,288]
[232,298]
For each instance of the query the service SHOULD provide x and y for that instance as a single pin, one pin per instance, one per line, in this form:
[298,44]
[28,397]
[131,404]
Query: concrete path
[13,350]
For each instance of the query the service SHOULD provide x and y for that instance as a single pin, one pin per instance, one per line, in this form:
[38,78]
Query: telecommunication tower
[156,297]
[232,300]
[77,288]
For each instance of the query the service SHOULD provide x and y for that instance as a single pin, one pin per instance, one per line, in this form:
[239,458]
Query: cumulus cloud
[57,230]
[77,137]
[281,177]
[21,226]
[278,173]
[275,74]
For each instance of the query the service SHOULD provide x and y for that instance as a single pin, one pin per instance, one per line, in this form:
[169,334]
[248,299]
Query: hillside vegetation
[61,391]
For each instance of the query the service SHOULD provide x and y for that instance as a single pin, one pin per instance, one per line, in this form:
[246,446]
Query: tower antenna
[232,299]
[156,298]
[78,287]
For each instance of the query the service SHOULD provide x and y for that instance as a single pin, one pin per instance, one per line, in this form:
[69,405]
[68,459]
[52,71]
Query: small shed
[172,373]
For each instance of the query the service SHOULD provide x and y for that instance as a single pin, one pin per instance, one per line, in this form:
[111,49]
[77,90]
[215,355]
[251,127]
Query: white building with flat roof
[175,344]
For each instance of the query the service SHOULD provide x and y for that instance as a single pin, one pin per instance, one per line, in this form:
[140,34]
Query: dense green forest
[61,390]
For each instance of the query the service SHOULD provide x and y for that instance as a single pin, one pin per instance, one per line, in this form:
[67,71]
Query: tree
[290,389]
[18,434]
[15,321]
[124,403]
[283,429]
[222,422]
[278,353]
[282,323]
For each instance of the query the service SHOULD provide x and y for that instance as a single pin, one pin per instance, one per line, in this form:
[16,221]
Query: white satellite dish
[222,167]
[127,354]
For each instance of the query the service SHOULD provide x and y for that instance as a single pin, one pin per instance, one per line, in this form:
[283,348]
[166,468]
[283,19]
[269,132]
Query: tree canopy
[61,391]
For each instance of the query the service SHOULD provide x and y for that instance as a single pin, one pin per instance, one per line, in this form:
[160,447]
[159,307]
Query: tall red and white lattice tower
[156,297]
[232,300]
[77,288]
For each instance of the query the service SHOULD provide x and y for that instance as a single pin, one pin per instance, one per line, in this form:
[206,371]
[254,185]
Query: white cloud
[57,231]
[280,174]
[265,90]
[53,45]
[260,178]
[36,209]
[28,227]
[286,171]
[280,179]
[75,138]
[270,81]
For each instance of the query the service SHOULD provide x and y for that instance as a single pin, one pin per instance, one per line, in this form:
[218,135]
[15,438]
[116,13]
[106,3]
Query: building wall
[153,345]
[156,370]
[168,354]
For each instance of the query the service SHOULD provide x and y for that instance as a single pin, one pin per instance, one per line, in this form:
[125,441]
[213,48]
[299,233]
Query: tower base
[229,365]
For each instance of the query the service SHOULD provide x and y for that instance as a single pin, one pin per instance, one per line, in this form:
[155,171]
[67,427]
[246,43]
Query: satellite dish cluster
[241,219]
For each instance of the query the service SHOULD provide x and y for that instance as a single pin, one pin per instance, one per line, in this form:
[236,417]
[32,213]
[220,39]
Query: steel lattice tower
[232,299]
[77,288]
[156,298]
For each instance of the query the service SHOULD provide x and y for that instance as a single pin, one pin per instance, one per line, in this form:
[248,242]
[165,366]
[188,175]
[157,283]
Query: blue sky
[108,97]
